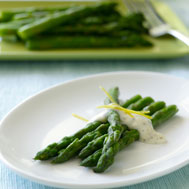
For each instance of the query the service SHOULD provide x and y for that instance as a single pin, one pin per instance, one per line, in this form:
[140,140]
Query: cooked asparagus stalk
[92,146]
[11,27]
[82,29]
[133,22]
[132,100]
[106,159]
[115,130]
[98,143]
[53,149]
[26,15]
[114,93]
[75,147]
[92,160]
[8,15]
[64,17]
[113,25]
[44,43]
[154,107]
[163,115]
[140,104]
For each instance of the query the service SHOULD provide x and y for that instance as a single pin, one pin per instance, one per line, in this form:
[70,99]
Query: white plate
[46,117]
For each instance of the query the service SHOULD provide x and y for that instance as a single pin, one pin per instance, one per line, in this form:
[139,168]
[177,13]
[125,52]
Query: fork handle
[179,36]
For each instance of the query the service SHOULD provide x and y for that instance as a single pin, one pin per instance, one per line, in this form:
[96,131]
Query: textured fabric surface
[19,80]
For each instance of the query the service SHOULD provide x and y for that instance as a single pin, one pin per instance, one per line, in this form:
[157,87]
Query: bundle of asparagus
[98,143]
[97,26]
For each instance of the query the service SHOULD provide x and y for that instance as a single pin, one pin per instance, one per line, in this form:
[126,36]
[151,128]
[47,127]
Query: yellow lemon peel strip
[116,106]
[140,113]
[108,95]
[79,117]
[127,111]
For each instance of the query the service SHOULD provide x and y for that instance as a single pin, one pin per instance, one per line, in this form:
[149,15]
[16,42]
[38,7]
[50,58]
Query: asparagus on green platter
[100,25]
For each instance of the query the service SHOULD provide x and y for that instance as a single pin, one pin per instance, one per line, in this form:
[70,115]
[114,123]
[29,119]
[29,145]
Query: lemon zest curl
[116,106]
[79,117]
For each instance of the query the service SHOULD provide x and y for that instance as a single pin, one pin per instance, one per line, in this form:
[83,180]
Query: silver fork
[157,26]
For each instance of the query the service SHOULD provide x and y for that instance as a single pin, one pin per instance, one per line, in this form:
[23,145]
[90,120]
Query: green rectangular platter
[165,47]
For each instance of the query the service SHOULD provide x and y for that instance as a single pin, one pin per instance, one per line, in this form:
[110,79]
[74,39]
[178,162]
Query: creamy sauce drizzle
[138,122]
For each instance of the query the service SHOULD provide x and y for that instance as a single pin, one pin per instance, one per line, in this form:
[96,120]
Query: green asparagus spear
[81,29]
[26,15]
[140,104]
[92,160]
[100,20]
[103,128]
[64,17]
[7,15]
[163,115]
[11,27]
[113,16]
[67,42]
[107,158]
[114,93]
[95,145]
[133,22]
[37,12]
[114,131]
[70,151]
[98,143]
[154,107]
[92,146]
[47,22]
[109,26]
[75,147]
[132,100]
[53,149]
[114,25]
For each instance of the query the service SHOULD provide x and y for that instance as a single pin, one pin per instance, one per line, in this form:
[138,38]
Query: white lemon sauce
[138,122]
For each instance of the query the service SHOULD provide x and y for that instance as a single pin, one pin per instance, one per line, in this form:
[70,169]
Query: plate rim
[142,179]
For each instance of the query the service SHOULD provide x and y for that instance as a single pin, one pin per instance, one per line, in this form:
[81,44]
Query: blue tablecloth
[19,80]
